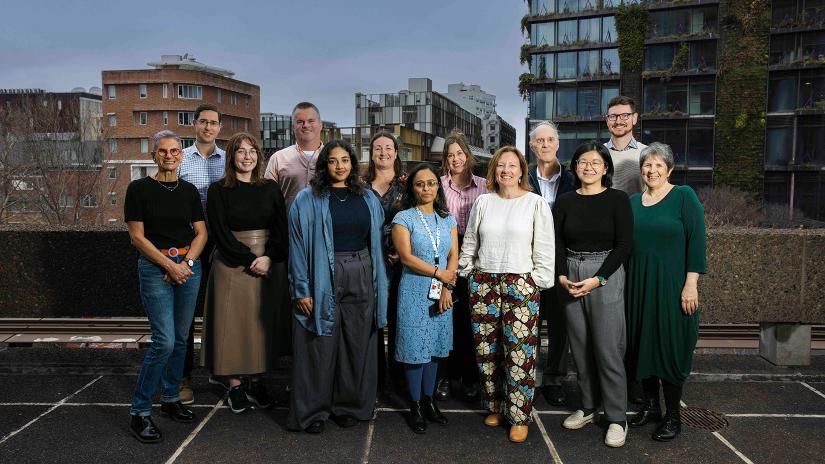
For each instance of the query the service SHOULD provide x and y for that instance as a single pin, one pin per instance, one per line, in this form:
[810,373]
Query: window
[111,91]
[113,198]
[165,90]
[665,97]
[186,142]
[186,118]
[568,6]
[541,105]
[588,101]
[65,200]
[812,90]
[567,144]
[543,34]
[782,94]
[783,49]
[543,66]
[658,57]
[567,32]
[812,44]
[144,145]
[702,56]
[233,99]
[219,96]
[610,62]
[246,125]
[112,173]
[589,65]
[542,7]
[609,33]
[112,145]
[778,145]
[783,13]
[702,97]
[112,120]
[112,221]
[608,93]
[142,92]
[566,65]
[669,132]
[810,140]
[589,30]
[700,143]
[165,118]
[143,117]
[246,100]
[89,201]
[566,102]
[190,92]
[141,171]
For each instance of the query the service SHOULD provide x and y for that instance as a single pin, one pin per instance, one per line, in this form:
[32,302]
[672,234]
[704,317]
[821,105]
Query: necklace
[653,199]
[171,189]
[346,195]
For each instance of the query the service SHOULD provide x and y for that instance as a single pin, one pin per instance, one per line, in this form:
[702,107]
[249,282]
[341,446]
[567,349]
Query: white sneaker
[578,420]
[616,435]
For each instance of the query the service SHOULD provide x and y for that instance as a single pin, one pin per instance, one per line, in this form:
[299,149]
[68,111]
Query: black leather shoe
[470,393]
[431,411]
[416,420]
[554,394]
[668,429]
[344,421]
[442,391]
[649,412]
[177,412]
[145,430]
[315,427]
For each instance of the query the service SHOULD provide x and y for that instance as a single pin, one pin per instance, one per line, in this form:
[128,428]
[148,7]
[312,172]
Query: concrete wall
[755,274]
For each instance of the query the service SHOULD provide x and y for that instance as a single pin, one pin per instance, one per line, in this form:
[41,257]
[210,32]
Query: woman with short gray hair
[662,300]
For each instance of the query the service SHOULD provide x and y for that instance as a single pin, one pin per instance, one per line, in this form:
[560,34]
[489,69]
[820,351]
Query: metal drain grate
[703,419]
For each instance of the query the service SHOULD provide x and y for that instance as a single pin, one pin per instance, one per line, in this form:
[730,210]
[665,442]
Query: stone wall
[754,274]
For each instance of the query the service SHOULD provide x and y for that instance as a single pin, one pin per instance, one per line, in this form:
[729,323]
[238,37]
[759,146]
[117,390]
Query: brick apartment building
[139,103]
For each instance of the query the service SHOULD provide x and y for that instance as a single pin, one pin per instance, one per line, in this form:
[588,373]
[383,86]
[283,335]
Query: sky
[321,51]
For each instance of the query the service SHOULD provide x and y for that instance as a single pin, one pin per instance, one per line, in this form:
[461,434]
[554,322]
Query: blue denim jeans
[170,309]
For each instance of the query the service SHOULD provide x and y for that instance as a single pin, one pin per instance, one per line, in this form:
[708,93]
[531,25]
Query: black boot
[670,427]
[145,430]
[431,411]
[649,412]
[416,420]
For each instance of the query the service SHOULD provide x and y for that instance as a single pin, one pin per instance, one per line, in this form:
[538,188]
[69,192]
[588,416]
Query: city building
[50,156]
[139,103]
[683,100]
[432,115]
[277,133]
[495,131]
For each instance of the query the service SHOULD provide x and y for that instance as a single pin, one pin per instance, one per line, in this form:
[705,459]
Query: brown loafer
[494,420]
[518,433]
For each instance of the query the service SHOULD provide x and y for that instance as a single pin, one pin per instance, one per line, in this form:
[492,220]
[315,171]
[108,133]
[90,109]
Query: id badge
[435,289]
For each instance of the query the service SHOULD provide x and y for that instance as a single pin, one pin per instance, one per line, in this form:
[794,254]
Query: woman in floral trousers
[508,254]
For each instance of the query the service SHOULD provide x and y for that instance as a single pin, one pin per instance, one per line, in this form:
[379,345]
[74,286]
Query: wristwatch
[602,281]
[190,262]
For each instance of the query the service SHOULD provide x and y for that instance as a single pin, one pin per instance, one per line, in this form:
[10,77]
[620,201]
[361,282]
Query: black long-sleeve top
[247,207]
[590,223]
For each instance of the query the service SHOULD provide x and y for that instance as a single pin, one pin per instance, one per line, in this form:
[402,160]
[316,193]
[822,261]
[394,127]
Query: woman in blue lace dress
[425,235]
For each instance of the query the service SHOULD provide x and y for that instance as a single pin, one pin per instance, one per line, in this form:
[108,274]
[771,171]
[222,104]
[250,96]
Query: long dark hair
[322,180]
[607,178]
[397,166]
[230,177]
[410,200]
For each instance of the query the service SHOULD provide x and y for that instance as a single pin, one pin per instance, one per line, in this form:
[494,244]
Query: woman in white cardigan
[508,255]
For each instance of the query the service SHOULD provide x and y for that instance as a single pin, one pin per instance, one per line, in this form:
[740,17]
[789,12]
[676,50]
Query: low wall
[754,274]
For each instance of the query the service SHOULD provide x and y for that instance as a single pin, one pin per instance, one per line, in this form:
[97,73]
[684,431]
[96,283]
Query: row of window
[566,102]
[796,90]
[797,13]
[543,7]
[788,49]
[185,118]
[795,141]
[574,32]
[682,22]
[701,56]
[571,65]
[692,96]
[144,144]
[184,91]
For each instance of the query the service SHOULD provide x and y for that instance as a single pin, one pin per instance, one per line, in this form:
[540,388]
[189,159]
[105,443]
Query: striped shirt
[627,176]
[201,172]
[460,201]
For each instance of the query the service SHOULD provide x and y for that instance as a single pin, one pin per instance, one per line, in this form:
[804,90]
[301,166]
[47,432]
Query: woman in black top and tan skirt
[247,221]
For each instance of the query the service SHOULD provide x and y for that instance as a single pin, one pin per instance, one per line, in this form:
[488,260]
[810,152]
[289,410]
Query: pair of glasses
[208,123]
[242,152]
[173,152]
[622,116]
[430,183]
[593,164]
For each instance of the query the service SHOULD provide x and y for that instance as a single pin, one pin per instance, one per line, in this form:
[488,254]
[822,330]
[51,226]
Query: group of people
[460,270]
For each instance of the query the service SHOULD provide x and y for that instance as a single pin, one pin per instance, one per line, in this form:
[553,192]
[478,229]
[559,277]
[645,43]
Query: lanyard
[436,242]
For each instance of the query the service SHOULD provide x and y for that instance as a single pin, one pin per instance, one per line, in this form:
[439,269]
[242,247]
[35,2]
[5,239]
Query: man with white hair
[550,179]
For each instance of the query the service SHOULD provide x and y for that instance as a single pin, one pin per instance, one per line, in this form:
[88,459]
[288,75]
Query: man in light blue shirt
[202,164]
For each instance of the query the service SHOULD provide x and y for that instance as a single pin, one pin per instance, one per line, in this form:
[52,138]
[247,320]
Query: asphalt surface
[71,405]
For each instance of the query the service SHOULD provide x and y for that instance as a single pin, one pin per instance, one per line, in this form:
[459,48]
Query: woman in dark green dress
[662,299]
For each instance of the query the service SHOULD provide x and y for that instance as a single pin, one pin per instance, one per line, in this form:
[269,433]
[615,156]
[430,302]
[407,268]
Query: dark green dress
[668,242]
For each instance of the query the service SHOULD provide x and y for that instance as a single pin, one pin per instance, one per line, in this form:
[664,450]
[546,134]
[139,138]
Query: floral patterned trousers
[504,312]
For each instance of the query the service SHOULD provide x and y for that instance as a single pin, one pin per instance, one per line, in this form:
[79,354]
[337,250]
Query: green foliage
[525,25]
[524,82]
[680,60]
[525,54]
[631,24]
[741,94]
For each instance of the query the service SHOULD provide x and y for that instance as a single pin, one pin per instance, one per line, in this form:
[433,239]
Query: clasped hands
[579,289]
[177,273]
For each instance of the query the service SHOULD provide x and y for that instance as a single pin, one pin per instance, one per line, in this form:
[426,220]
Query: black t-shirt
[167,216]
[599,222]
[350,220]
[247,207]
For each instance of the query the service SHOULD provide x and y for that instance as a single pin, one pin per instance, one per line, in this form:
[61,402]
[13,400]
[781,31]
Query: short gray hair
[660,150]
[164,134]
[543,124]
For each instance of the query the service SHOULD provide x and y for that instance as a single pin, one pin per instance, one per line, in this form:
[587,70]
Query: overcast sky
[323,51]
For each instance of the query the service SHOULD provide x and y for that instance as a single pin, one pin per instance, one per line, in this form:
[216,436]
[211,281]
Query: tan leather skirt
[239,320]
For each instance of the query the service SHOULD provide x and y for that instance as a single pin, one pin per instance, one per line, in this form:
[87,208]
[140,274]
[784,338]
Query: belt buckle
[170,250]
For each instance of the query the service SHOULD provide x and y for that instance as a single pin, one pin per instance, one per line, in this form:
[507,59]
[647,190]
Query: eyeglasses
[251,152]
[429,183]
[548,141]
[595,164]
[208,123]
[622,116]
[173,151]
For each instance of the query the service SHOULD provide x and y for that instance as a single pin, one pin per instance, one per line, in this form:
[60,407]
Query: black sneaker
[256,393]
[237,400]
[222,382]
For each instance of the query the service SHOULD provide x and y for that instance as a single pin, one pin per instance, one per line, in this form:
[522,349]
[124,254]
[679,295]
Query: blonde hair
[524,182]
